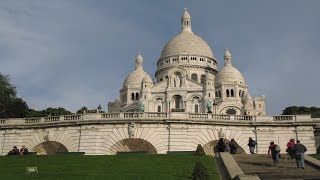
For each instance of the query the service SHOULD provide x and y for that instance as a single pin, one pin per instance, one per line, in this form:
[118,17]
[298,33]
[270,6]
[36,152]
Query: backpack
[277,148]
[254,143]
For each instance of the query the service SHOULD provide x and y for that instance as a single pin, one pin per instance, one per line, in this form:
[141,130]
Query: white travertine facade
[191,103]
[188,81]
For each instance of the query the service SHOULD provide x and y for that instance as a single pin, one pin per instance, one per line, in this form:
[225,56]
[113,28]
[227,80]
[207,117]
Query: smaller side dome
[147,79]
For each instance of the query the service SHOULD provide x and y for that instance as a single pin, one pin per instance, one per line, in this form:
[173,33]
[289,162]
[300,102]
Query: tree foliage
[47,112]
[82,110]
[292,110]
[11,106]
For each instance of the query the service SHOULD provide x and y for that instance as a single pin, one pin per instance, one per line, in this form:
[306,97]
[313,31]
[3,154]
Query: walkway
[262,165]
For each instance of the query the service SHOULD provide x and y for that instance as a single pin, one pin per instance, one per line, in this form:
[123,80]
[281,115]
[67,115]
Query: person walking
[299,150]
[275,152]
[233,145]
[252,145]
[289,149]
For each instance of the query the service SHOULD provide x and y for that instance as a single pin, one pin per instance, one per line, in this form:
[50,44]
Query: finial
[185,9]
[227,49]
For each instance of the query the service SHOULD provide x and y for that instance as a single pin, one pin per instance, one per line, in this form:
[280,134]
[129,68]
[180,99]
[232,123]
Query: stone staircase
[262,165]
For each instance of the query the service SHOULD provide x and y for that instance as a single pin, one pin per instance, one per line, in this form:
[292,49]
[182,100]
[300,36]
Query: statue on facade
[221,133]
[141,106]
[208,106]
[131,130]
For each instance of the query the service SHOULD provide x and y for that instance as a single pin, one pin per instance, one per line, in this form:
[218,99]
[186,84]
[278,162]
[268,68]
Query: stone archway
[49,148]
[210,148]
[133,145]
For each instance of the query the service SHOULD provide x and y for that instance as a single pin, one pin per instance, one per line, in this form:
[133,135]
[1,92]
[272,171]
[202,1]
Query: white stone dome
[135,78]
[147,79]
[229,75]
[186,43]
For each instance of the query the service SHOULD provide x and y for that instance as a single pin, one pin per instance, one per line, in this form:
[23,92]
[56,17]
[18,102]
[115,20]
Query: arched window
[194,77]
[239,93]
[137,96]
[228,93]
[132,96]
[217,94]
[232,93]
[209,94]
[203,78]
[178,101]
[196,108]
[159,108]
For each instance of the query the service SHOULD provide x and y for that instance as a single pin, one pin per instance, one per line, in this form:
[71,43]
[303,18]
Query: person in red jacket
[290,146]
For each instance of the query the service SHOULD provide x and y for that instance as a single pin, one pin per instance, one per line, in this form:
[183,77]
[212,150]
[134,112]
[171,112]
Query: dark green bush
[200,150]
[200,172]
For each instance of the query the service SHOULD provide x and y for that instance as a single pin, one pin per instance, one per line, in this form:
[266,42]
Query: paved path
[262,165]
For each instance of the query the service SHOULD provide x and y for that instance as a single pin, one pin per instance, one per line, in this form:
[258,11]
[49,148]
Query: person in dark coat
[233,145]
[14,151]
[275,152]
[299,150]
[221,146]
[252,145]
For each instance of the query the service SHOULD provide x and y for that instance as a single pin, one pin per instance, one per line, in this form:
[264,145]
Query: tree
[11,106]
[292,110]
[82,110]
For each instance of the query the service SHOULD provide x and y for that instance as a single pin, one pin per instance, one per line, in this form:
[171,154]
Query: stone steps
[262,165]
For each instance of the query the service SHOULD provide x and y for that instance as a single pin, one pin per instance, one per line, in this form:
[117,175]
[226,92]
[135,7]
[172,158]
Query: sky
[74,53]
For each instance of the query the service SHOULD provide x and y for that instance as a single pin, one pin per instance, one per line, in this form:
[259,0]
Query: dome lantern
[227,57]
[186,21]
[139,61]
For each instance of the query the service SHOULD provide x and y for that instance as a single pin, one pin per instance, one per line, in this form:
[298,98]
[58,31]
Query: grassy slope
[106,167]
[317,156]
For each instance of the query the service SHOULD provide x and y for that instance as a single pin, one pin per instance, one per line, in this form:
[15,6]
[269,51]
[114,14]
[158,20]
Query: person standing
[221,146]
[23,150]
[289,149]
[275,152]
[252,145]
[299,150]
[233,145]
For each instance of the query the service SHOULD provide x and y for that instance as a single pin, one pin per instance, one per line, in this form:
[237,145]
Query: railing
[52,119]
[198,116]
[3,121]
[110,115]
[244,118]
[156,116]
[220,117]
[283,118]
[133,115]
[32,120]
[72,117]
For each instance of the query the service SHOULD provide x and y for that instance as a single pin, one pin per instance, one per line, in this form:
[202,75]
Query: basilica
[188,80]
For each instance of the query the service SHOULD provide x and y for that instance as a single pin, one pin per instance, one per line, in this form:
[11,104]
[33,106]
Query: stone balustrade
[154,116]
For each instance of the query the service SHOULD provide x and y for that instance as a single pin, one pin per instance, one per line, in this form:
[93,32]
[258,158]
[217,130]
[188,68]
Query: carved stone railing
[156,115]
[283,118]
[52,119]
[32,120]
[220,117]
[181,116]
[3,121]
[133,115]
[198,116]
[110,115]
[72,117]
[244,118]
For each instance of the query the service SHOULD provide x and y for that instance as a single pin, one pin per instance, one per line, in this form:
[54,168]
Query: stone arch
[49,148]
[210,147]
[225,109]
[132,145]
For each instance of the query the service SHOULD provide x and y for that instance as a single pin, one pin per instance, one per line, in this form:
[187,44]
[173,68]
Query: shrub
[200,172]
[200,150]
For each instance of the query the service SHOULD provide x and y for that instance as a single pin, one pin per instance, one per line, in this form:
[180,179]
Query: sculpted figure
[208,105]
[141,106]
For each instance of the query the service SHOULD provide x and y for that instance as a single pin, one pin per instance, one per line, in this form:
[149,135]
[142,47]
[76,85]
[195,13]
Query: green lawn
[138,166]
[317,156]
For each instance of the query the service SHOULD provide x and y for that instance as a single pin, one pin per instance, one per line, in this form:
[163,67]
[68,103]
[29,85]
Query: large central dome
[186,43]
